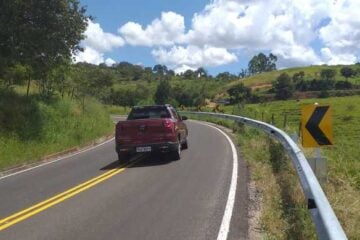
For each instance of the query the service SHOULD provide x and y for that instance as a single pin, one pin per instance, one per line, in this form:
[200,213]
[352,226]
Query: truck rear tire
[123,157]
[184,145]
[176,155]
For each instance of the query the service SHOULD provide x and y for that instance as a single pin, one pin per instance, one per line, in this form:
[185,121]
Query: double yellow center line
[24,214]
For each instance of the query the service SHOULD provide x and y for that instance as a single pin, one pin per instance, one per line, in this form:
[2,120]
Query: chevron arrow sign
[316,127]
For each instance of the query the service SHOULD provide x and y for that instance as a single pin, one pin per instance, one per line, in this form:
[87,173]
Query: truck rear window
[149,112]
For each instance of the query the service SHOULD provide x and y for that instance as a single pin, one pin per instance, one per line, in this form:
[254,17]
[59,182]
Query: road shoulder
[240,229]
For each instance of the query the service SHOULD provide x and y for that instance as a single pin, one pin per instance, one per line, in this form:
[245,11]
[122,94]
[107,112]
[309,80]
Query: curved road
[153,198]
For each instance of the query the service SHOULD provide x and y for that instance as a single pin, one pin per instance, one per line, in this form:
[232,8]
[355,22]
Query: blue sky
[221,35]
[111,14]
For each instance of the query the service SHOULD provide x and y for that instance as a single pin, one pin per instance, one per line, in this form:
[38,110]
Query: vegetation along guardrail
[326,223]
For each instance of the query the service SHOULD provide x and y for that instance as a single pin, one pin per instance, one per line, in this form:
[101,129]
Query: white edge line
[58,159]
[226,220]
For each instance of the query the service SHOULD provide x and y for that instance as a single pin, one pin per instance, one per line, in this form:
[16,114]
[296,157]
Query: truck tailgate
[144,131]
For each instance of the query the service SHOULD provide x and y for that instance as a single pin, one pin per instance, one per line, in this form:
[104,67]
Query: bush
[283,87]
[347,72]
[341,85]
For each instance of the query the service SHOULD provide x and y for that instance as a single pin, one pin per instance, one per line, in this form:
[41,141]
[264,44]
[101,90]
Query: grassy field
[343,155]
[31,128]
[310,73]
[284,209]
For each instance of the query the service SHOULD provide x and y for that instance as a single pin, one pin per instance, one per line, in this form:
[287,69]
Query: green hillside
[311,72]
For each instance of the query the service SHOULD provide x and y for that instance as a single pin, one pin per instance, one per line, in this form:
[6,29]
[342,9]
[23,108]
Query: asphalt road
[154,198]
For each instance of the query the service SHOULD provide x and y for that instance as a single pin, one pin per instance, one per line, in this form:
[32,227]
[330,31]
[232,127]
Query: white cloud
[342,35]
[285,28]
[90,55]
[165,31]
[192,57]
[340,58]
[109,62]
[99,40]
[96,43]
[288,28]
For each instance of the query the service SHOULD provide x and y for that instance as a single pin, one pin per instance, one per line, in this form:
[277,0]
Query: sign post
[316,131]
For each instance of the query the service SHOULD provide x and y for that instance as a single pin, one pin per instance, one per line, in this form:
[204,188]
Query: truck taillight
[119,128]
[168,124]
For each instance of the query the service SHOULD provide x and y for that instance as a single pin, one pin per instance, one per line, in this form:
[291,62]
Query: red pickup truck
[157,128]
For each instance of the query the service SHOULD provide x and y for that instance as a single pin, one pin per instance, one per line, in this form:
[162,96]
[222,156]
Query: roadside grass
[31,128]
[343,178]
[284,210]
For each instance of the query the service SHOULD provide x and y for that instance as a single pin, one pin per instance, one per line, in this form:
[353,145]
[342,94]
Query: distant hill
[264,80]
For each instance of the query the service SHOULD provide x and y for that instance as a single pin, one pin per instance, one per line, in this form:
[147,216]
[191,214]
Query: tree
[40,34]
[171,73]
[160,69]
[243,73]
[226,76]
[261,63]
[16,75]
[239,93]
[283,87]
[61,77]
[347,72]
[189,74]
[201,72]
[298,77]
[328,74]
[163,92]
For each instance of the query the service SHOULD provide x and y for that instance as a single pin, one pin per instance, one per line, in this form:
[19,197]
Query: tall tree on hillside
[283,87]
[243,73]
[189,74]
[163,92]
[226,76]
[298,77]
[40,34]
[261,63]
[347,72]
[171,72]
[239,93]
[201,72]
[328,74]
[160,69]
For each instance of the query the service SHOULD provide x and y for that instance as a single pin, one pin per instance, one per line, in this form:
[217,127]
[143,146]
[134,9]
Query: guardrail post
[285,120]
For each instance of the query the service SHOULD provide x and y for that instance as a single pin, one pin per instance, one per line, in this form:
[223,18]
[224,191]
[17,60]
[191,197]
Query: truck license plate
[143,149]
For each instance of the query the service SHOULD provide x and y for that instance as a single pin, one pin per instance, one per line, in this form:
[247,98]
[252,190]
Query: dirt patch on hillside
[260,86]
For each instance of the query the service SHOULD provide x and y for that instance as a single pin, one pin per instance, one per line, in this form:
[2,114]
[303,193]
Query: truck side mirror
[184,118]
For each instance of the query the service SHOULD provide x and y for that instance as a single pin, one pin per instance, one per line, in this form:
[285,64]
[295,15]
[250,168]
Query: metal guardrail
[326,222]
